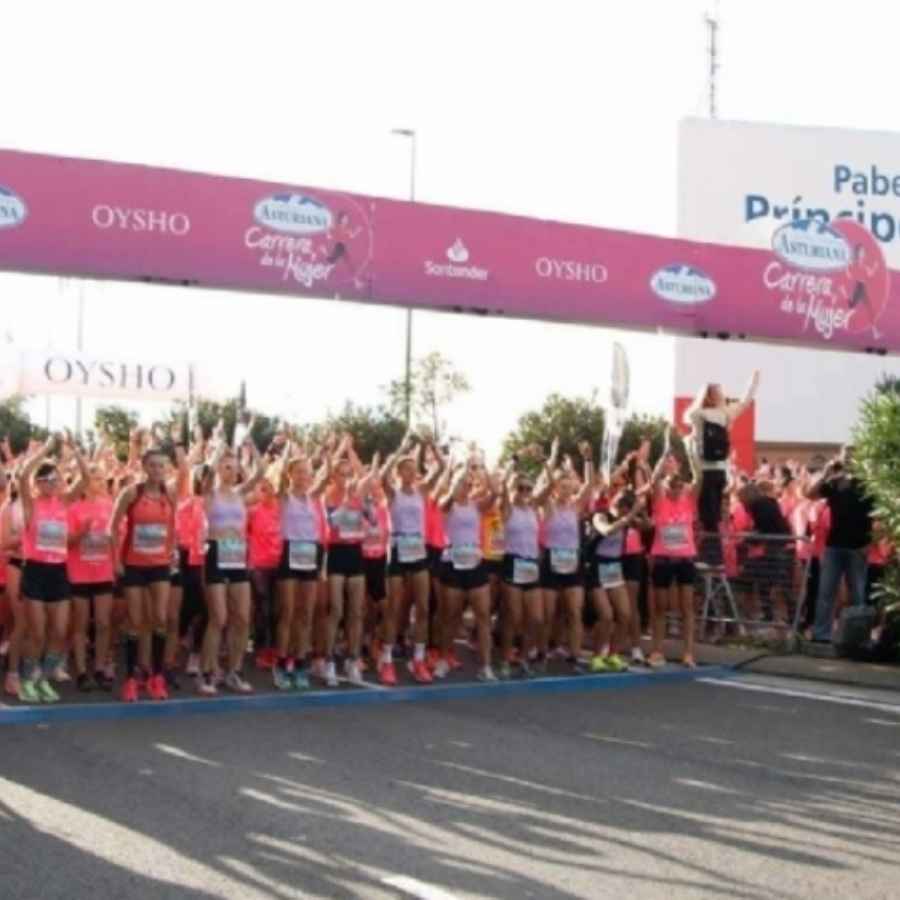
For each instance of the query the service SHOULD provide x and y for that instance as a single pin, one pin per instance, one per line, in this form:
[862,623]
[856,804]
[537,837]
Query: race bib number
[525,571]
[149,540]
[95,547]
[303,556]
[350,525]
[51,537]
[563,562]
[374,541]
[465,556]
[674,537]
[232,553]
[410,548]
[610,575]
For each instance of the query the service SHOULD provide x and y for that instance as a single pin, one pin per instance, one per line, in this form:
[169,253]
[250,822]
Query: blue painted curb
[103,712]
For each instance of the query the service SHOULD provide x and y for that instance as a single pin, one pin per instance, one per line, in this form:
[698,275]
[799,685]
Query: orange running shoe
[453,662]
[387,674]
[420,671]
[129,691]
[156,688]
[432,658]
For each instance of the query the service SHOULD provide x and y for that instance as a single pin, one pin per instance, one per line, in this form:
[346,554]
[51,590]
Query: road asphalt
[748,787]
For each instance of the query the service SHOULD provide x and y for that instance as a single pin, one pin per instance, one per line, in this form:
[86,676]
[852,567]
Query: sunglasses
[47,479]
[525,488]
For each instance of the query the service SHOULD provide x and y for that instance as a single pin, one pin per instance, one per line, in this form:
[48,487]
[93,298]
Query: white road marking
[801,695]
[418,889]
[183,754]
[612,740]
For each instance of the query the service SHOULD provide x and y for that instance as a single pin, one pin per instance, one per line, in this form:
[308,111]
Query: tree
[16,425]
[434,385]
[573,420]
[209,414]
[876,461]
[117,423]
[375,429]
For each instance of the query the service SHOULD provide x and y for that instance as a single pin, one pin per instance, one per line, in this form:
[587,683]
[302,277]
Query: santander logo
[683,285]
[458,256]
[811,246]
[13,211]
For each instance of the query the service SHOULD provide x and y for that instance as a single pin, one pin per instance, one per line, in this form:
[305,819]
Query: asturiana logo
[812,246]
[293,213]
[684,285]
[456,268]
[13,210]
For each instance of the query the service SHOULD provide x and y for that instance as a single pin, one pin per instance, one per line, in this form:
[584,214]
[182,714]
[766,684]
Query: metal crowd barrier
[756,589]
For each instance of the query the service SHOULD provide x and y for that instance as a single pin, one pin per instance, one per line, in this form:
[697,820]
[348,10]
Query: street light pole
[411,136]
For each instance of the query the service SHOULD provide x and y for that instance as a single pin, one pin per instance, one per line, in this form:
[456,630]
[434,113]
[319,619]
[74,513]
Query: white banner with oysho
[33,372]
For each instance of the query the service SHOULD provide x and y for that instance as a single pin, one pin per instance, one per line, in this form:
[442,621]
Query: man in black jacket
[846,548]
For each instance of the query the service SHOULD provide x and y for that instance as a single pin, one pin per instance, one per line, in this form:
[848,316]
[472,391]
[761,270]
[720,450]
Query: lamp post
[410,135]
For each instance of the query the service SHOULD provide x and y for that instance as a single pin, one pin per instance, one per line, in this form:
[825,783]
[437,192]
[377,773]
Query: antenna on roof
[712,26]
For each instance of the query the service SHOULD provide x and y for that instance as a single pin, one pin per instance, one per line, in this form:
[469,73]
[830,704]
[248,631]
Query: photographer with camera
[849,537]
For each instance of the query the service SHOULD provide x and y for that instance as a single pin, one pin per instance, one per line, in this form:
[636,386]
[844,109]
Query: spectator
[849,537]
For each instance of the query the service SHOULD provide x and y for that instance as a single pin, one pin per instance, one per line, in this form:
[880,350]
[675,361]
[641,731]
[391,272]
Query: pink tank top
[90,560]
[376,542]
[47,535]
[674,521]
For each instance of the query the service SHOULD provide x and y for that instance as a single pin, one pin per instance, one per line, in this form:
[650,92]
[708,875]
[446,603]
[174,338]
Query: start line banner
[821,283]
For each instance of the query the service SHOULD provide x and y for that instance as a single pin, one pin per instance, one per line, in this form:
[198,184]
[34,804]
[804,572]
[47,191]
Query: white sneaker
[351,669]
[206,688]
[61,674]
[442,669]
[193,665]
[331,678]
[487,675]
[235,682]
[319,668]
[637,656]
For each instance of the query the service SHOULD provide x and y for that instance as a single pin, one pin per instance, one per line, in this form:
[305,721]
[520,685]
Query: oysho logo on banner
[458,256]
[13,210]
[571,270]
[124,219]
[306,240]
[683,285]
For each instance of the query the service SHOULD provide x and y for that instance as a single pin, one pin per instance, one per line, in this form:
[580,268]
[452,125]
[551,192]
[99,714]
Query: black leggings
[265,621]
[709,507]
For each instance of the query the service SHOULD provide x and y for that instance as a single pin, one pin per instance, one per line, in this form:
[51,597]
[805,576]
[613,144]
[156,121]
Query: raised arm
[31,466]
[734,410]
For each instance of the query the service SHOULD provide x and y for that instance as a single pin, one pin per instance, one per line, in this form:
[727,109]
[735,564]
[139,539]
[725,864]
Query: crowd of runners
[315,563]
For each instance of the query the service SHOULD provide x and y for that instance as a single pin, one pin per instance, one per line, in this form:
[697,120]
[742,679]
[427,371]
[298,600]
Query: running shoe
[351,670]
[192,669]
[206,687]
[156,688]
[615,663]
[61,673]
[432,659]
[599,665]
[173,681]
[28,692]
[11,685]
[331,679]
[235,682]
[47,692]
[129,692]
[83,683]
[523,667]
[689,661]
[387,674]
[420,671]
[656,661]
[281,679]
[577,667]
[101,681]
[504,672]
[453,662]
[637,657]
[301,680]
[486,675]
[442,669]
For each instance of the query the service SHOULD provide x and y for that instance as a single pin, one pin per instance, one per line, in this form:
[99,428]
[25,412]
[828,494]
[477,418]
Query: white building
[735,181]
